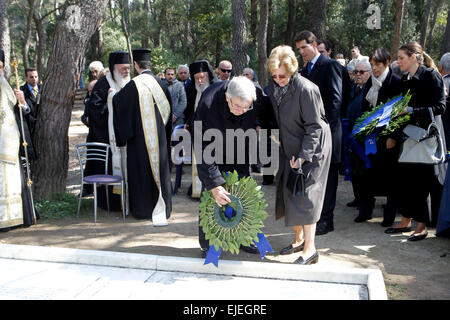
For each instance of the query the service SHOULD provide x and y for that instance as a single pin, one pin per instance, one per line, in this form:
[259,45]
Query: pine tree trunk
[73,30]
[27,39]
[436,7]
[426,18]
[262,42]
[398,27]
[239,42]
[5,42]
[292,13]
[97,44]
[254,20]
[318,18]
[446,42]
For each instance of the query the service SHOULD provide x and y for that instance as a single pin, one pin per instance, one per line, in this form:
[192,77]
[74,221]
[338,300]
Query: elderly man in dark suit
[328,75]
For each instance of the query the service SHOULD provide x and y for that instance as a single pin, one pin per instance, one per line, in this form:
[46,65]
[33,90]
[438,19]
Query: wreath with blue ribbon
[238,223]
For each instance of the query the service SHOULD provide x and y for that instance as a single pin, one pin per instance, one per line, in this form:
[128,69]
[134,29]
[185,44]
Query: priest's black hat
[202,66]
[142,55]
[2,56]
[118,57]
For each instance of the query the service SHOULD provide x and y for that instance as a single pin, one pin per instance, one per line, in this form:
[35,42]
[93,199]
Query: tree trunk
[270,27]
[426,17]
[446,42]
[262,42]
[124,9]
[254,20]
[436,7]
[97,44]
[73,30]
[318,18]
[145,25]
[5,41]
[27,39]
[239,42]
[41,46]
[292,13]
[399,5]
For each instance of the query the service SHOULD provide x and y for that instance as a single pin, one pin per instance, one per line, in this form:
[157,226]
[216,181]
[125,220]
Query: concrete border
[372,278]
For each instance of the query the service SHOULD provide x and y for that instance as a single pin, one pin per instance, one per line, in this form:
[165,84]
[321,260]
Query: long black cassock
[98,132]
[143,191]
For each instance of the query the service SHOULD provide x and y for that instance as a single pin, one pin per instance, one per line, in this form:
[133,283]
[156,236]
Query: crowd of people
[310,106]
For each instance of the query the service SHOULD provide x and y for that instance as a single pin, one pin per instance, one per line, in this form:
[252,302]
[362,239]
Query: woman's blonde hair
[282,56]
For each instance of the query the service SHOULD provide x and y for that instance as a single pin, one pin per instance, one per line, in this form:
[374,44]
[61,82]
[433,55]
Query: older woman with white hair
[305,138]
[225,106]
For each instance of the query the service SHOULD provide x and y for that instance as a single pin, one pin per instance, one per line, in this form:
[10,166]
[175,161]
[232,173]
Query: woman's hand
[221,196]
[294,163]
[390,143]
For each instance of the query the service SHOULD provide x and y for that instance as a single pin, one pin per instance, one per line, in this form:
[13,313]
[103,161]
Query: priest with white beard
[143,123]
[203,75]
[101,126]
[15,200]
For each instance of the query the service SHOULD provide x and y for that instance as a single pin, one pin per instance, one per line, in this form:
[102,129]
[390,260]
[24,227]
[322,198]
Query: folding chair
[100,152]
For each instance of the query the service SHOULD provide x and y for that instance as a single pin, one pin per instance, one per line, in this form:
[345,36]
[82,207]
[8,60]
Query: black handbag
[296,182]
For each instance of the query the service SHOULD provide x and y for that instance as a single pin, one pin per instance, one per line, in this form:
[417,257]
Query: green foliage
[247,230]
[63,206]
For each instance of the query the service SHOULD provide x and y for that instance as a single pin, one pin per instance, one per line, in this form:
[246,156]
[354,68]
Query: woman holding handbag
[305,138]
[417,181]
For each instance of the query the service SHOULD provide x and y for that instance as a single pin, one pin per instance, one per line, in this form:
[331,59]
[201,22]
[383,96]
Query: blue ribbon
[262,245]
[213,256]
[384,114]
[359,151]
[371,143]
[229,212]
[346,136]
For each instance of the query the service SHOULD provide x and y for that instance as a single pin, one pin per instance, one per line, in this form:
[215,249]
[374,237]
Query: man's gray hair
[241,87]
[181,66]
[96,65]
[249,70]
[445,62]
[366,64]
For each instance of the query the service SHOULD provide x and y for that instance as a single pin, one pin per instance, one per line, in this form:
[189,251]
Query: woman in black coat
[382,86]
[417,181]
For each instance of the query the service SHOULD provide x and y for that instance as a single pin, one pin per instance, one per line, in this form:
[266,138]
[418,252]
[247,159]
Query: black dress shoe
[311,260]
[324,227]
[397,230]
[267,180]
[250,249]
[387,223]
[362,218]
[203,252]
[418,237]
[290,249]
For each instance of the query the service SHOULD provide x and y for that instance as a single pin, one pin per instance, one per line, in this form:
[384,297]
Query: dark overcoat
[304,133]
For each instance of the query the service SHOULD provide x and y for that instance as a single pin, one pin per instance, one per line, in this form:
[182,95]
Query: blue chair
[99,152]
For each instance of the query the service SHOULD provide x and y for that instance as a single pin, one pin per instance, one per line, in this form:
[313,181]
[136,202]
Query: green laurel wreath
[398,119]
[250,205]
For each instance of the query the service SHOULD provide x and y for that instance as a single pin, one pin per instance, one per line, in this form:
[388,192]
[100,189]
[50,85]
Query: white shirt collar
[314,60]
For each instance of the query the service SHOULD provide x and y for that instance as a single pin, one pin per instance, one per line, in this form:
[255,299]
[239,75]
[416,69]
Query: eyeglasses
[239,107]
[360,71]
[279,76]
[225,70]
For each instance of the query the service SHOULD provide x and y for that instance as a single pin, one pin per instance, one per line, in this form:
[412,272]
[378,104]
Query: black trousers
[416,183]
[329,202]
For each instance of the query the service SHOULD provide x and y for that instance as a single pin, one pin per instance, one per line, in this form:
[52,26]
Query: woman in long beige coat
[305,137]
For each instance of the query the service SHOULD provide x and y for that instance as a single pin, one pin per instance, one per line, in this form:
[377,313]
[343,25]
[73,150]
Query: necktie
[35,92]
[309,67]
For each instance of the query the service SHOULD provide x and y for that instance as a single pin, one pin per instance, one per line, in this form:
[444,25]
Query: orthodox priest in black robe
[142,122]
[100,127]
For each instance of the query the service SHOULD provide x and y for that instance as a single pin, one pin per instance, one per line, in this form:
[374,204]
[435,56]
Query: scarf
[377,83]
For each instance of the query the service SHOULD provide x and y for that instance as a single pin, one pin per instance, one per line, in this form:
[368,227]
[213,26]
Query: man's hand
[221,196]
[20,96]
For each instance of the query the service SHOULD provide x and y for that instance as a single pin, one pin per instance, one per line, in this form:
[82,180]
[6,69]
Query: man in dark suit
[31,90]
[327,74]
